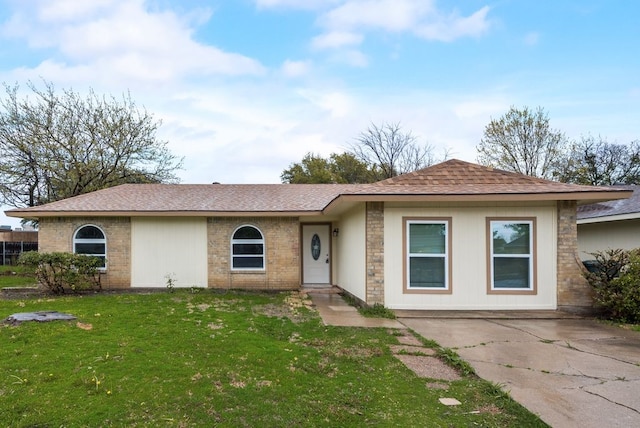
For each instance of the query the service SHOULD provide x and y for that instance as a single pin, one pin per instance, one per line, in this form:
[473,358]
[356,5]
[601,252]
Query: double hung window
[427,255]
[511,253]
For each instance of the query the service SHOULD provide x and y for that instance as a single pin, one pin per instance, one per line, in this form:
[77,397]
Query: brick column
[574,292]
[375,253]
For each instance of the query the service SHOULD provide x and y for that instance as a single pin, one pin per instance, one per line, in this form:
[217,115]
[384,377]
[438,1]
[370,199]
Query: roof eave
[44,214]
[608,218]
[586,197]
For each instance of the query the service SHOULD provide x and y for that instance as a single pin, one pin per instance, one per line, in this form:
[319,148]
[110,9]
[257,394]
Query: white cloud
[452,27]
[352,57]
[295,4]
[338,104]
[347,24]
[388,15]
[295,68]
[122,39]
[71,10]
[336,39]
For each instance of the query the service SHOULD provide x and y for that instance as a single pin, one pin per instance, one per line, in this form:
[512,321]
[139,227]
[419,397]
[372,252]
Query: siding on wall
[469,258]
[350,257]
[169,247]
[594,237]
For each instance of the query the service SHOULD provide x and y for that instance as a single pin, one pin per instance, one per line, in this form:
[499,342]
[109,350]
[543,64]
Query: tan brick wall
[375,252]
[56,235]
[574,292]
[282,258]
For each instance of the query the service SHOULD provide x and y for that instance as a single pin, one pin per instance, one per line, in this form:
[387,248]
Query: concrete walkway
[571,372]
[334,310]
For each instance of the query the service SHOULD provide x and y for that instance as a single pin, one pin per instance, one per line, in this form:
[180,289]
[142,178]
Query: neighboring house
[609,225]
[15,242]
[452,236]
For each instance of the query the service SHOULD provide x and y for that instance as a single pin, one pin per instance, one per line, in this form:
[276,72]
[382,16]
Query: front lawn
[17,276]
[208,359]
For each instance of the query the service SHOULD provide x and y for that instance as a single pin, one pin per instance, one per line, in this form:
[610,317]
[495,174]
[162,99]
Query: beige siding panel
[175,247]
[350,257]
[469,259]
[594,237]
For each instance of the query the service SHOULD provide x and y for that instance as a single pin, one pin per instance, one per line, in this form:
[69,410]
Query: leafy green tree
[348,169]
[338,168]
[595,161]
[522,141]
[389,151]
[57,145]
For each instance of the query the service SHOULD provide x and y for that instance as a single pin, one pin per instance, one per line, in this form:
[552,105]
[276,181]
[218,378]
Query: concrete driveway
[571,372]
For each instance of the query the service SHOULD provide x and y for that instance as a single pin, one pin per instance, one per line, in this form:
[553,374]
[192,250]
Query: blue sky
[244,88]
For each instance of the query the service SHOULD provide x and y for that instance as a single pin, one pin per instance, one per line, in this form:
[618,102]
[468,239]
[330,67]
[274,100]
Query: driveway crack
[567,345]
[610,401]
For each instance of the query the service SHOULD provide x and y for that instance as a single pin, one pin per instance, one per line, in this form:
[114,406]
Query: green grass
[375,311]
[16,276]
[207,359]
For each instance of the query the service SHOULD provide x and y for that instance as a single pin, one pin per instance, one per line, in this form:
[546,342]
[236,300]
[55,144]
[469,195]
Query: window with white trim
[512,254]
[247,249]
[90,240]
[427,255]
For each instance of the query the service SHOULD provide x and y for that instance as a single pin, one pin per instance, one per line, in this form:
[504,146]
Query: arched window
[90,240]
[247,248]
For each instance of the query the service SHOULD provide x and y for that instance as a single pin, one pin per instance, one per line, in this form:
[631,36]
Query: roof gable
[455,172]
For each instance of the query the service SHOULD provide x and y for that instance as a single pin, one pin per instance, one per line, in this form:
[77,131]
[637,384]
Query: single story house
[609,224]
[453,236]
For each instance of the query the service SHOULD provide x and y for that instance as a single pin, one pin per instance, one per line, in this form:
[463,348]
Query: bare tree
[60,145]
[522,141]
[389,151]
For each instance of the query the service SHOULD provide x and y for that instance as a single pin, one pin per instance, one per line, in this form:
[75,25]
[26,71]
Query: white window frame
[103,241]
[446,256]
[531,256]
[248,241]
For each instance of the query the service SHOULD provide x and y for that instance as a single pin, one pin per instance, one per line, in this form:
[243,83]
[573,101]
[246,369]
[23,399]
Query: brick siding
[56,235]
[574,292]
[375,253]
[282,257]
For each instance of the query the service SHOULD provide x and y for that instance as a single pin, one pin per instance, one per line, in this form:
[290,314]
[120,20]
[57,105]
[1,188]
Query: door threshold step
[320,289]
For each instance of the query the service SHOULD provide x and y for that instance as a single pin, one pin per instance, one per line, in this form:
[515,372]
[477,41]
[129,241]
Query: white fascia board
[607,218]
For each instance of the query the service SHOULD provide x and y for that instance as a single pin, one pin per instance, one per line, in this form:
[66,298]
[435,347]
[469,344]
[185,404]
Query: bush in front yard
[616,283]
[60,271]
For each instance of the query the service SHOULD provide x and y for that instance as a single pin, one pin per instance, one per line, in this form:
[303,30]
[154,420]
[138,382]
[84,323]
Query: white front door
[316,254]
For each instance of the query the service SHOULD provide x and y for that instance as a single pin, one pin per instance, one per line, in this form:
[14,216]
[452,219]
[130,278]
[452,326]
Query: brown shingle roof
[456,177]
[455,172]
[132,198]
[450,180]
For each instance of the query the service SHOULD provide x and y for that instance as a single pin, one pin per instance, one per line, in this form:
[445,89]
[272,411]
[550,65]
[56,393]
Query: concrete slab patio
[571,372]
